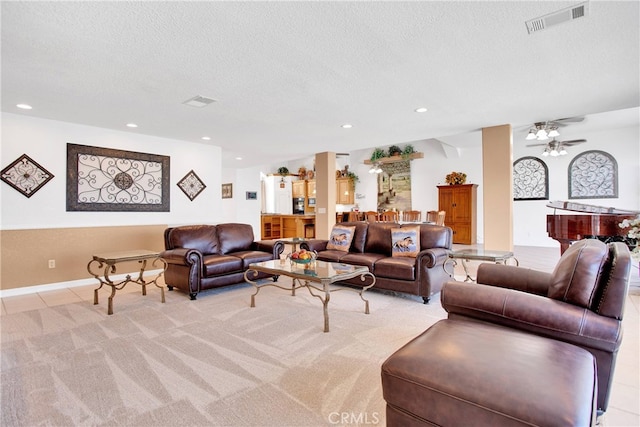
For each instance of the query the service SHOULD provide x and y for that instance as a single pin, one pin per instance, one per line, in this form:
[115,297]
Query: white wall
[45,142]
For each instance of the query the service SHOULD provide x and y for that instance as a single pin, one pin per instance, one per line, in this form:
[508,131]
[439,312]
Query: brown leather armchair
[581,302]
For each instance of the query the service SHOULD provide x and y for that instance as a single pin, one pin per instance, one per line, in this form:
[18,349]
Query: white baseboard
[70,284]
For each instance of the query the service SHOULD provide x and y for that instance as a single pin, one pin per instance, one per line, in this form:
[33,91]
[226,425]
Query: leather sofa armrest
[315,245]
[533,313]
[272,246]
[432,257]
[182,256]
[512,277]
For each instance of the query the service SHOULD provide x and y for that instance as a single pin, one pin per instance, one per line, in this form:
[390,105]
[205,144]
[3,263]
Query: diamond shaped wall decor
[26,175]
[191,185]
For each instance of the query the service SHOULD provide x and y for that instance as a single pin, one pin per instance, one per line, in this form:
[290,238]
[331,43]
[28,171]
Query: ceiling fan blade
[573,142]
[537,145]
[567,120]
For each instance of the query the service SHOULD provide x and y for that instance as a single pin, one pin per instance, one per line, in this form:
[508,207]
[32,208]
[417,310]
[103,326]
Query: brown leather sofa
[581,302]
[201,257]
[422,275]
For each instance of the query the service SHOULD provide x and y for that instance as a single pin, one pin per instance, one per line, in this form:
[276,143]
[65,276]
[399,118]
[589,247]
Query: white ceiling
[287,75]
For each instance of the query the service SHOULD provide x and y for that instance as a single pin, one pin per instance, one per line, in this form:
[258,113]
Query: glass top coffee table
[316,276]
[499,257]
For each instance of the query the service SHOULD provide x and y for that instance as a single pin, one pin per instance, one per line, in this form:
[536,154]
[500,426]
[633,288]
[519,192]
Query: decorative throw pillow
[405,241]
[341,237]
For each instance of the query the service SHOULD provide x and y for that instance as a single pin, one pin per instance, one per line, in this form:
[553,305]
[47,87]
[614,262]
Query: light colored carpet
[214,361]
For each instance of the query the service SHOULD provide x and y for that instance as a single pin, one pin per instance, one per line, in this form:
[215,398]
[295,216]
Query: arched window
[593,175]
[530,179]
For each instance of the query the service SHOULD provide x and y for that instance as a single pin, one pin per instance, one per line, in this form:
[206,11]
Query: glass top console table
[499,257]
[107,263]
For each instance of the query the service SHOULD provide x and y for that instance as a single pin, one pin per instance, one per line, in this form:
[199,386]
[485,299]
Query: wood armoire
[460,204]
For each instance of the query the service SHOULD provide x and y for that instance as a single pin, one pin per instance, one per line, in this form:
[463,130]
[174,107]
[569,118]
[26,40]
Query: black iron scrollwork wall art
[530,179]
[191,185]
[593,175]
[102,179]
[26,175]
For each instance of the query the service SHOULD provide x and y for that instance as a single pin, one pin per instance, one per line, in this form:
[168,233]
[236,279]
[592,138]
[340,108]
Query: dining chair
[389,216]
[441,216]
[353,216]
[412,216]
[371,216]
[432,216]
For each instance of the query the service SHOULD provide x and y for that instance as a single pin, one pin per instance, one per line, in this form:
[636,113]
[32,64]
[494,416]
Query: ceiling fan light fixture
[541,134]
[531,135]
[553,133]
[554,153]
[562,151]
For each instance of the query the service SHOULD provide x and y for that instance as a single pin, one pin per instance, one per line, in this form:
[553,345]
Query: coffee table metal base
[318,286]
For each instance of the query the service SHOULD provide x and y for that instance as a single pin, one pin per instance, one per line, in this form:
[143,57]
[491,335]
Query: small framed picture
[252,195]
[227,191]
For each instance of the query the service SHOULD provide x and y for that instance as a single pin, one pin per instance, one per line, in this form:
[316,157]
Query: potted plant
[283,171]
[353,177]
[377,154]
[407,151]
[394,150]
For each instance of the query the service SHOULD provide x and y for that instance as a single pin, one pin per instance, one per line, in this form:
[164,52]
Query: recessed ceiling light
[206,138]
[421,110]
[347,126]
[132,125]
[238,158]
[24,106]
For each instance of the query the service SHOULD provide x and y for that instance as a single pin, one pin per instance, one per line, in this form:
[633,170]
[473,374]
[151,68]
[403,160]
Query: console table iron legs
[107,264]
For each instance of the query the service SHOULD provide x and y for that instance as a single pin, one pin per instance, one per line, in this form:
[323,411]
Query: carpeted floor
[214,361]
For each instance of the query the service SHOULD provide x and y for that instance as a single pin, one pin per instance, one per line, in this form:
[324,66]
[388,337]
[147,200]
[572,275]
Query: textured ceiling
[287,75]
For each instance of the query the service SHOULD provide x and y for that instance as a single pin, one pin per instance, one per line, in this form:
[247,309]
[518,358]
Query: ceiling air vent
[564,15]
[199,101]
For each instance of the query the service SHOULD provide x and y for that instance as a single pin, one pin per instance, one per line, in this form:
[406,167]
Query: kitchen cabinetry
[344,191]
[310,202]
[271,227]
[283,226]
[299,189]
[460,204]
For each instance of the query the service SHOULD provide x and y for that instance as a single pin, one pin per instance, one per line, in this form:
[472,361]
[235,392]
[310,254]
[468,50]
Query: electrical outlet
[52,263]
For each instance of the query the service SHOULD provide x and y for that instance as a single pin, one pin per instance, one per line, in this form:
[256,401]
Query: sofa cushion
[216,265]
[379,238]
[234,237]
[401,268]
[249,257]
[366,259]
[341,237]
[577,274]
[200,237]
[331,255]
[405,241]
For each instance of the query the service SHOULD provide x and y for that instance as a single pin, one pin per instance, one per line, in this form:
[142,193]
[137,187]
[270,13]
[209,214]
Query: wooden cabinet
[311,194]
[460,204]
[299,189]
[271,227]
[344,191]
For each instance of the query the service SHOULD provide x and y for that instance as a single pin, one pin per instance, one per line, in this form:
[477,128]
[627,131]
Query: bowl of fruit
[302,256]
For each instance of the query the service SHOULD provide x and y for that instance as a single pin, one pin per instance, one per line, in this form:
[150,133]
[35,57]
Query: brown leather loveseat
[201,257]
[371,246]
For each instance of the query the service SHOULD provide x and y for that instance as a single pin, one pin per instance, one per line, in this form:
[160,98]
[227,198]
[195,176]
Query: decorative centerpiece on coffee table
[302,256]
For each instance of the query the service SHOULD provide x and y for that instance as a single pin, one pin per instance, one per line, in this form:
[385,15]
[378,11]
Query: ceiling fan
[542,131]
[557,148]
